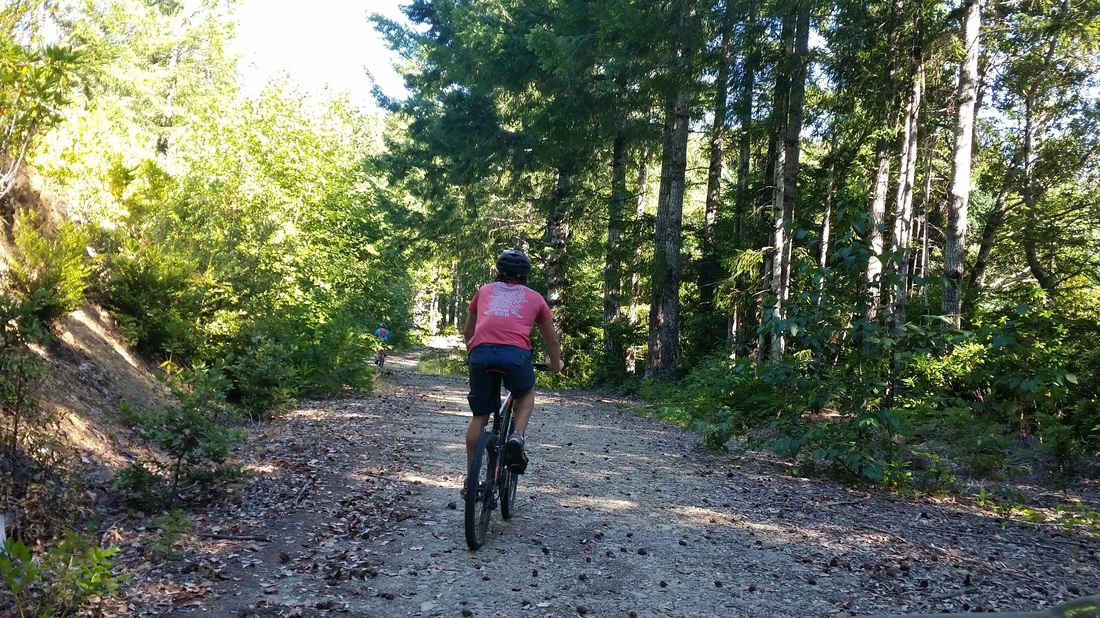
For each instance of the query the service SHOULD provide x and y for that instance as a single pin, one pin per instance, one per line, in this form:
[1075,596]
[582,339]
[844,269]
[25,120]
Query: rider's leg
[473,432]
[521,411]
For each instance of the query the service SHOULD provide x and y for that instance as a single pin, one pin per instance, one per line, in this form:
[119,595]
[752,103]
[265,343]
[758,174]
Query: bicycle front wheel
[508,483]
[481,491]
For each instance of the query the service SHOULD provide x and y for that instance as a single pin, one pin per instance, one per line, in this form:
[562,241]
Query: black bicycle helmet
[513,264]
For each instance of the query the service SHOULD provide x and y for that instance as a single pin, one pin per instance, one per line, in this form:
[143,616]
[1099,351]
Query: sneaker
[514,457]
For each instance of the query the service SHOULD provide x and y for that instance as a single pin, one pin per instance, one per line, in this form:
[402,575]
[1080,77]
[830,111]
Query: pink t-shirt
[506,312]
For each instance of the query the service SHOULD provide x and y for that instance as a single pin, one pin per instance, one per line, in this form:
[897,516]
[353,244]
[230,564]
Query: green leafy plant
[73,573]
[1077,515]
[263,374]
[52,272]
[141,486]
[194,433]
[156,292]
[447,362]
[35,86]
[21,371]
[171,528]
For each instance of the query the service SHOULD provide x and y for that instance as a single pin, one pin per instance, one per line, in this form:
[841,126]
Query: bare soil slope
[90,370]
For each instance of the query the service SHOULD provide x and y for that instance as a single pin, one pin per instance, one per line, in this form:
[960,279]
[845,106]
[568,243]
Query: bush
[194,433]
[52,273]
[263,375]
[157,296]
[21,372]
[445,362]
[141,486]
[72,574]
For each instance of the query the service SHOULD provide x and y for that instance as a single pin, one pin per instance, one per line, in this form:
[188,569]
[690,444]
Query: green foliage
[156,292]
[21,370]
[443,362]
[263,373]
[194,433]
[141,486]
[74,573]
[172,526]
[35,86]
[53,273]
[904,406]
[1077,515]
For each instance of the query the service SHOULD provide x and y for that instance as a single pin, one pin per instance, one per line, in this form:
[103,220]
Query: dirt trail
[354,510]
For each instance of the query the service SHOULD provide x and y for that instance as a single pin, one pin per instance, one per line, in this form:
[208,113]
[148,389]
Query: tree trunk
[558,233]
[613,263]
[636,267]
[743,198]
[827,216]
[664,314]
[790,95]
[710,271]
[955,246]
[903,216]
[880,184]
[664,311]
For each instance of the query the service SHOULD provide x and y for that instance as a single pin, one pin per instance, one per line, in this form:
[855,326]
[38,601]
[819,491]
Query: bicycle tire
[480,491]
[508,484]
[509,481]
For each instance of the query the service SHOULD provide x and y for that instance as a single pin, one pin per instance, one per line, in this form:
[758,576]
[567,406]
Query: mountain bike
[380,358]
[489,480]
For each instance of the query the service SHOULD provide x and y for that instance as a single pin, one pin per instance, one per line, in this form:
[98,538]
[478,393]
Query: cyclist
[383,335]
[498,336]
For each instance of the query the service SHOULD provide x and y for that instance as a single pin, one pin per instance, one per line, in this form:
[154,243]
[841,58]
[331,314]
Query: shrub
[54,273]
[21,372]
[171,527]
[156,294]
[194,433]
[73,573]
[141,486]
[263,375]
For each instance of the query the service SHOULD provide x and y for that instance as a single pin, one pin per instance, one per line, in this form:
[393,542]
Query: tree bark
[955,247]
[664,316]
[903,216]
[743,198]
[790,96]
[710,271]
[558,234]
[613,262]
[636,267]
[664,312]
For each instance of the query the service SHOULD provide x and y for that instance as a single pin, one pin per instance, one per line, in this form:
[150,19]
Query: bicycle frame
[498,487]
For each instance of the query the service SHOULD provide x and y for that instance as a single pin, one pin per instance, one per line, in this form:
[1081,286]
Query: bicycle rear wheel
[508,480]
[481,491]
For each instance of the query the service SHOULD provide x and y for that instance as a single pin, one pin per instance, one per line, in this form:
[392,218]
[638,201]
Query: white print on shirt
[506,301]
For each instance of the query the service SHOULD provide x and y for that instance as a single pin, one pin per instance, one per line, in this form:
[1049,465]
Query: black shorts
[519,375]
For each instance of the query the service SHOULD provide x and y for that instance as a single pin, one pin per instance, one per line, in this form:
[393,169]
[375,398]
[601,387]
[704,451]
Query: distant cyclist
[498,336]
[383,335]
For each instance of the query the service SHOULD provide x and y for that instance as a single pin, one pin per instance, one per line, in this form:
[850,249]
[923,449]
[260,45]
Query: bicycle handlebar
[541,366]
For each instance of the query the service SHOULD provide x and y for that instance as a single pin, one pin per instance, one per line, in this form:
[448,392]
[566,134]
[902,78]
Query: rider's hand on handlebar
[553,367]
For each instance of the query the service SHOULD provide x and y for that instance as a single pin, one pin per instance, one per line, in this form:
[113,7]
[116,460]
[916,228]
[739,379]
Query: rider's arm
[471,325]
[553,345]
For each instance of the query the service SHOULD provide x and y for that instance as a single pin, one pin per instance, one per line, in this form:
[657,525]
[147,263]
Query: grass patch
[446,362]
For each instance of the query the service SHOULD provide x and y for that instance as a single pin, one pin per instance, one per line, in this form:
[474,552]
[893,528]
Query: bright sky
[319,42]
